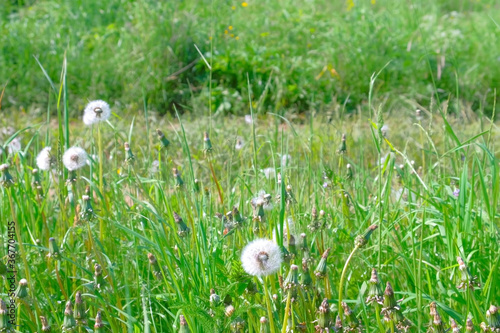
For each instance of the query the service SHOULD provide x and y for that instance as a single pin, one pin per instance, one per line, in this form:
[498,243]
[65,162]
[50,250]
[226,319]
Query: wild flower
[5,325]
[375,292]
[493,318]
[207,144]
[69,321]
[183,229]
[79,310]
[14,146]
[129,158]
[96,111]
[343,147]
[261,257]
[269,173]
[99,281]
[163,140]
[99,325]
[239,143]
[263,200]
[323,320]
[385,131]
[53,249]
[305,278]
[45,324]
[238,325]
[45,160]
[352,321]
[248,119]
[184,325]
[320,270]
[285,160]
[74,158]
[22,289]
[6,178]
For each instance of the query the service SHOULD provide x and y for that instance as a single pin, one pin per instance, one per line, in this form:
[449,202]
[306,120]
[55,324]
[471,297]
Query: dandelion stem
[101,184]
[342,277]
[269,309]
[287,309]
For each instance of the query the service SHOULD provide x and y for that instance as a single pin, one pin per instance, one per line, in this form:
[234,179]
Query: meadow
[148,227]
[333,169]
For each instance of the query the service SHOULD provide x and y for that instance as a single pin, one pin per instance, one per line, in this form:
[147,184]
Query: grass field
[437,179]
[332,166]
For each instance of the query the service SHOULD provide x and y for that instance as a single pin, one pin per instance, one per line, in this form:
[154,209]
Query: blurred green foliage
[315,54]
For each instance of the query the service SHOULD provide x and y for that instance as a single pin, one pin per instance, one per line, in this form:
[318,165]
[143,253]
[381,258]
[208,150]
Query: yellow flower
[230,27]
[237,38]
[233,7]
[232,35]
[226,32]
[350,4]
[373,2]
[244,4]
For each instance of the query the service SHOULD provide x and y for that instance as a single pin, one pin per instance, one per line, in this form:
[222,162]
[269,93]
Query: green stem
[287,309]
[342,277]
[101,184]
[269,309]
[379,322]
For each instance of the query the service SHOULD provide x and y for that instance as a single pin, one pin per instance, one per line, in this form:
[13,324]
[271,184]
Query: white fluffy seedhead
[74,158]
[261,257]
[95,112]
[44,160]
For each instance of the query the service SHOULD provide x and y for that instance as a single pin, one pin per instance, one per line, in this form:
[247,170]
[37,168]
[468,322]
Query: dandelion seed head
[14,146]
[95,112]
[44,159]
[74,158]
[269,172]
[239,143]
[261,257]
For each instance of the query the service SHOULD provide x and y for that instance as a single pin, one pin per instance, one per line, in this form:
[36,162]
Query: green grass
[419,237]
[308,56]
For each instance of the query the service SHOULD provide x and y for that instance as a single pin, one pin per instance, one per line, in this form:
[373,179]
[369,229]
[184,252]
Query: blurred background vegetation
[298,55]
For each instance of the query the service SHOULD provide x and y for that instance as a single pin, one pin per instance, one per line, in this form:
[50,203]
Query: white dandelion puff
[263,199]
[74,158]
[44,160]
[248,119]
[14,146]
[239,143]
[269,173]
[261,257]
[285,159]
[95,112]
